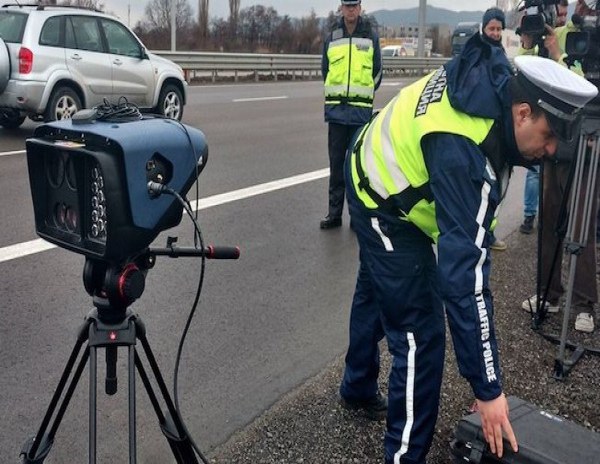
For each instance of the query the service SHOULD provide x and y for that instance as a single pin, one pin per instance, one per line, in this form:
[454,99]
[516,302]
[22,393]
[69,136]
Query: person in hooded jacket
[432,168]
[492,25]
[556,185]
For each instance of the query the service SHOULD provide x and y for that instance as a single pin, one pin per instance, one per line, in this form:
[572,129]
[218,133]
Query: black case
[543,439]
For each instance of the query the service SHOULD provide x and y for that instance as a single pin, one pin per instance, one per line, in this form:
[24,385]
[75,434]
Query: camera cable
[157,188]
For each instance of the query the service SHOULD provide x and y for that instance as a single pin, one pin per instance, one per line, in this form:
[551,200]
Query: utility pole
[421,39]
[203,17]
[173,25]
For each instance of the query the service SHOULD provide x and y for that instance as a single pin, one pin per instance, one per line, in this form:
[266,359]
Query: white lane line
[248,192]
[239,100]
[37,246]
[9,153]
[23,249]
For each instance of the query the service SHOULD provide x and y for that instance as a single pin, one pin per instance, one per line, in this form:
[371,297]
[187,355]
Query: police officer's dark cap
[559,92]
[350,2]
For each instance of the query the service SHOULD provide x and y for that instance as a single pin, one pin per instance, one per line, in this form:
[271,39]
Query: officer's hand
[551,44]
[494,420]
[526,41]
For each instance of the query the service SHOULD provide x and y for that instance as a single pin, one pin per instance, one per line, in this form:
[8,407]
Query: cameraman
[532,180]
[556,175]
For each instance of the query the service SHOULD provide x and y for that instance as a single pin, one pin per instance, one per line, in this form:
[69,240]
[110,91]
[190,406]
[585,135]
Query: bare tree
[91,4]
[309,38]
[158,15]
[256,27]
[203,18]
[154,29]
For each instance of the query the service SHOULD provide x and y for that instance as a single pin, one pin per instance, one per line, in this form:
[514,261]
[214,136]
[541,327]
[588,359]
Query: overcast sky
[295,8]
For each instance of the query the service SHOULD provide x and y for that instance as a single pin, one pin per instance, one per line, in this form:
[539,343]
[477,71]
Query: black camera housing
[584,46]
[89,182]
[538,14]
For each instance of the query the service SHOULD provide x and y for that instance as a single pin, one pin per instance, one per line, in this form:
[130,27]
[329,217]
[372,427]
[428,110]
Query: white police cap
[350,2]
[559,92]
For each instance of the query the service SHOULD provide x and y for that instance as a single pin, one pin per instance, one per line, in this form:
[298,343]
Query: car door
[87,59]
[132,72]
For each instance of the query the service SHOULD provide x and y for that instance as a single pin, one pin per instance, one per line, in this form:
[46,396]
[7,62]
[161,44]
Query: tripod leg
[132,434]
[93,390]
[577,236]
[172,425]
[36,449]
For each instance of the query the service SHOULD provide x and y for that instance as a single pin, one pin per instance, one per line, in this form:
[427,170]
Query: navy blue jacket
[348,114]
[467,192]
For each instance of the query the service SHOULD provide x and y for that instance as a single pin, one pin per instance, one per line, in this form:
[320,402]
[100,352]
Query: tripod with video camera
[106,188]
[580,192]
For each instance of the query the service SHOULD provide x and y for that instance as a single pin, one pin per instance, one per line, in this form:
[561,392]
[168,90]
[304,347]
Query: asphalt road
[265,323]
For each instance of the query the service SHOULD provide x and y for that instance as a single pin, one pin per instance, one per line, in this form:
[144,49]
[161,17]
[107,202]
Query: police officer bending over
[432,168]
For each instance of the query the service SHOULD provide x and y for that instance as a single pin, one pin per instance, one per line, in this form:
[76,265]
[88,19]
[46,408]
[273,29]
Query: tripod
[111,324]
[581,188]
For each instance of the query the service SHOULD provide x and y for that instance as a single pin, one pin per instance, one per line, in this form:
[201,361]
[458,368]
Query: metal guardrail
[216,66]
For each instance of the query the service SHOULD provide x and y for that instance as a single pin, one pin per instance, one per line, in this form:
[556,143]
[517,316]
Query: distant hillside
[433,15]
[395,18]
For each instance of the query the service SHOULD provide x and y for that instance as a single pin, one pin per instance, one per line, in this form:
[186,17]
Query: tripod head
[114,286]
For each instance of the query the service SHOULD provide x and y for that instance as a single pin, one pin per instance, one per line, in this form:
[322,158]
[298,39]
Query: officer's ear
[521,112]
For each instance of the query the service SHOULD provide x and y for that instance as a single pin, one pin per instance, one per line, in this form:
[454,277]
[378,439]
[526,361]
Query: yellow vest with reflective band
[350,73]
[390,153]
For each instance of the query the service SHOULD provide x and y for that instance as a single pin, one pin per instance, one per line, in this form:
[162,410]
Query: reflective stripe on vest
[350,74]
[390,154]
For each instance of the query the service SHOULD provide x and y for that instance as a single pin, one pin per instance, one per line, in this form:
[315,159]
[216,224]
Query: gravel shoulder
[308,426]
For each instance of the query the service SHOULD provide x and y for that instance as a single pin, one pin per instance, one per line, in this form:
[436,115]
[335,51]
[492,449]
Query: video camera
[538,14]
[584,45]
[90,182]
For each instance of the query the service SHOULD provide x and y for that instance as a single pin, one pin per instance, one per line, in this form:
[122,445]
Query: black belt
[401,202]
[348,100]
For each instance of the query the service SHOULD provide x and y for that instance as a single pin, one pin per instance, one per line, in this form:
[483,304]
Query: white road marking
[9,153]
[240,100]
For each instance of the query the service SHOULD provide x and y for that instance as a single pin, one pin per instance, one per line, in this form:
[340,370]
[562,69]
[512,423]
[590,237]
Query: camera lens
[71,219]
[60,214]
[55,168]
[70,172]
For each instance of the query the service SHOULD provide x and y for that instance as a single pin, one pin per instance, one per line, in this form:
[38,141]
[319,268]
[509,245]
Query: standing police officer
[351,68]
[432,168]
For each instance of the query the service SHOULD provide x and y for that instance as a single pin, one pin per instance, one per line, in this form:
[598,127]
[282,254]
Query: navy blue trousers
[338,140]
[396,295]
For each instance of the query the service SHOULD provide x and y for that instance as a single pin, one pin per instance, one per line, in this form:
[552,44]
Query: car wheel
[63,104]
[11,122]
[4,66]
[170,103]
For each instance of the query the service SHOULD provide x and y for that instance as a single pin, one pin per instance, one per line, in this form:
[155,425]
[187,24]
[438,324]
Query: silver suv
[55,61]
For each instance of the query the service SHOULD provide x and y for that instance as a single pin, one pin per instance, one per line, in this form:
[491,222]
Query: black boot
[374,408]
[330,222]
[527,226]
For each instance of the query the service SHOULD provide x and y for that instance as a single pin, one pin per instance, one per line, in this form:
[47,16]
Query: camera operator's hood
[559,92]
[478,81]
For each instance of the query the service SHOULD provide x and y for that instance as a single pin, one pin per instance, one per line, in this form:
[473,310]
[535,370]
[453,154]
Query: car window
[120,40]
[12,26]
[85,32]
[50,34]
